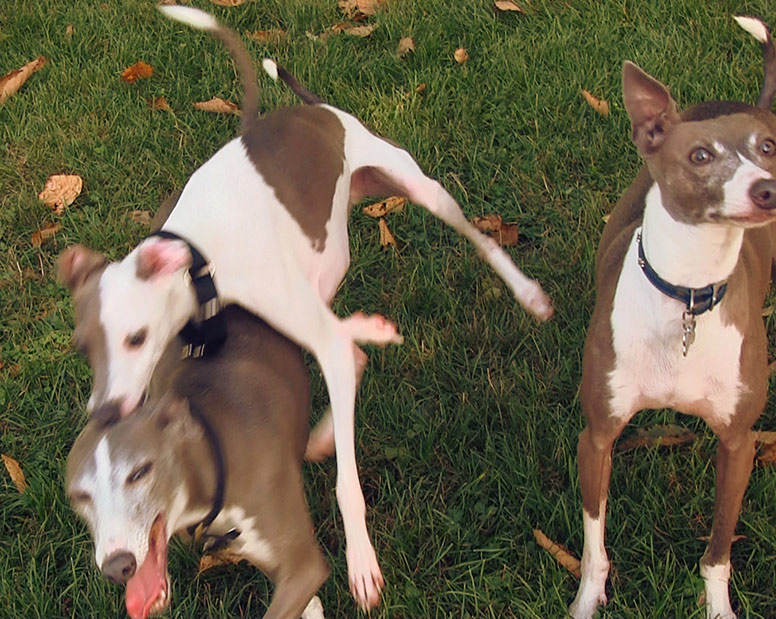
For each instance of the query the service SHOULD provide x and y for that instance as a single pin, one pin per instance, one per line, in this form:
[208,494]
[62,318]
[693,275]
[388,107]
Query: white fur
[270,67]
[595,567]
[737,202]
[249,543]
[716,579]
[753,26]
[191,17]
[314,609]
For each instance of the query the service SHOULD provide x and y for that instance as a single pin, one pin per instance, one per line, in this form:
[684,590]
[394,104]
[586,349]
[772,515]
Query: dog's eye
[136,339]
[700,155]
[768,147]
[139,473]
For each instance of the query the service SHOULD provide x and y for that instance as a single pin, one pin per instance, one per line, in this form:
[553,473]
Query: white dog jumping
[270,210]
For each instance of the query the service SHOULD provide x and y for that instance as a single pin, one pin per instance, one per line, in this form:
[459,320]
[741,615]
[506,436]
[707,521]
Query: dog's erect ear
[76,264]
[650,107]
[157,257]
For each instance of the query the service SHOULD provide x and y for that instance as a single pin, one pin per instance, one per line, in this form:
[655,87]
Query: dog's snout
[119,567]
[763,193]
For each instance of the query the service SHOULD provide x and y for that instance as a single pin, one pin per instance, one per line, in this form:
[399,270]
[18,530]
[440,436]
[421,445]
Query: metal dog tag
[688,331]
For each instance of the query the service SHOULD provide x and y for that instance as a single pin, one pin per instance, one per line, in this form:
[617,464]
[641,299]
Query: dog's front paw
[539,304]
[366,579]
[374,329]
[586,603]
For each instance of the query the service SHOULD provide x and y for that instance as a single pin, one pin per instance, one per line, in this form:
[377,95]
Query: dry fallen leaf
[69,31]
[360,31]
[767,311]
[16,473]
[11,82]
[218,105]
[138,71]
[505,234]
[767,454]
[421,87]
[406,45]
[273,35]
[142,218]
[46,232]
[60,191]
[227,2]
[358,10]
[606,217]
[765,437]
[559,553]
[386,238]
[599,105]
[461,55]
[508,5]
[657,436]
[383,207]
[159,103]
[222,557]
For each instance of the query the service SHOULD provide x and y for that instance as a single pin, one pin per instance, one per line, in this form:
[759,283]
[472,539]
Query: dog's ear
[157,257]
[76,264]
[172,414]
[650,107]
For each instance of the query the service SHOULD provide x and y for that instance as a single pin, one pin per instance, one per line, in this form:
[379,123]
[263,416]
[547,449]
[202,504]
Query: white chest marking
[249,543]
[649,370]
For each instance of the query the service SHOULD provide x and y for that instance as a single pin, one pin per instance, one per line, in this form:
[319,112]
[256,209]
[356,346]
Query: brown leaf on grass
[657,436]
[222,557]
[599,105]
[386,238]
[360,31]
[227,2]
[359,10]
[406,45]
[383,207]
[265,37]
[767,454]
[218,106]
[16,473]
[505,234]
[11,82]
[461,55]
[766,438]
[69,31]
[142,218]
[60,191]
[508,5]
[159,103]
[559,553]
[421,87]
[767,311]
[46,232]
[138,71]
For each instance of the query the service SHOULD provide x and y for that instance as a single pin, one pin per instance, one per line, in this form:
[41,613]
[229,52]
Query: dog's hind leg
[380,169]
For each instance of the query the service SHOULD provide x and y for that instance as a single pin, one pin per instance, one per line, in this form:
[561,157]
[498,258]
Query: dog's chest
[649,368]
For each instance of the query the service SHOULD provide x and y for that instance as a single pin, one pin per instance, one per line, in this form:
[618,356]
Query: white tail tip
[270,67]
[191,17]
[753,26]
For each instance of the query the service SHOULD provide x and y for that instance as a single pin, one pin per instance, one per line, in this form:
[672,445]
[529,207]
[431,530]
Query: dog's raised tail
[760,31]
[275,71]
[204,21]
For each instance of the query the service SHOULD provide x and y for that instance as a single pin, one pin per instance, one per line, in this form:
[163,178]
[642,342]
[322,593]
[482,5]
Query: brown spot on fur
[300,153]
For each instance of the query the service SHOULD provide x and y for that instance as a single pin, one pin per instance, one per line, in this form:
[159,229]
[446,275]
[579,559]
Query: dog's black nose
[763,193]
[119,567]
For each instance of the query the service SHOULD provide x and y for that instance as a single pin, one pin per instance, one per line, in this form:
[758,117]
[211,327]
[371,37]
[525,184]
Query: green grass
[466,434]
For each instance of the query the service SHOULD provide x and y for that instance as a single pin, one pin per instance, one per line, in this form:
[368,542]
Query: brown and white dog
[269,211]
[682,270]
[220,439]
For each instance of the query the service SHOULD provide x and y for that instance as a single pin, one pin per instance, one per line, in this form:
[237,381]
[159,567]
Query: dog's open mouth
[148,589]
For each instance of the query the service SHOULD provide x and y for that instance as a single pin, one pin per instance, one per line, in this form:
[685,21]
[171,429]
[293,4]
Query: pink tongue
[145,587]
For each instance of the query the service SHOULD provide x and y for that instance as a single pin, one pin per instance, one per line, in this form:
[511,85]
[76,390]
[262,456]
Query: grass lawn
[466,434]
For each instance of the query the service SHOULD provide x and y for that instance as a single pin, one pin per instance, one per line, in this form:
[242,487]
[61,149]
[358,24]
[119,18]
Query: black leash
[205,334]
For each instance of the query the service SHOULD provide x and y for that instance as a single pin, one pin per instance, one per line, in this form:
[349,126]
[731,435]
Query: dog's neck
[692,255]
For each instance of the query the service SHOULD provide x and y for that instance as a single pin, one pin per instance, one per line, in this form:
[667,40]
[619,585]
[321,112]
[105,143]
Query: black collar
[212,542]
[696,300]
[206,333]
